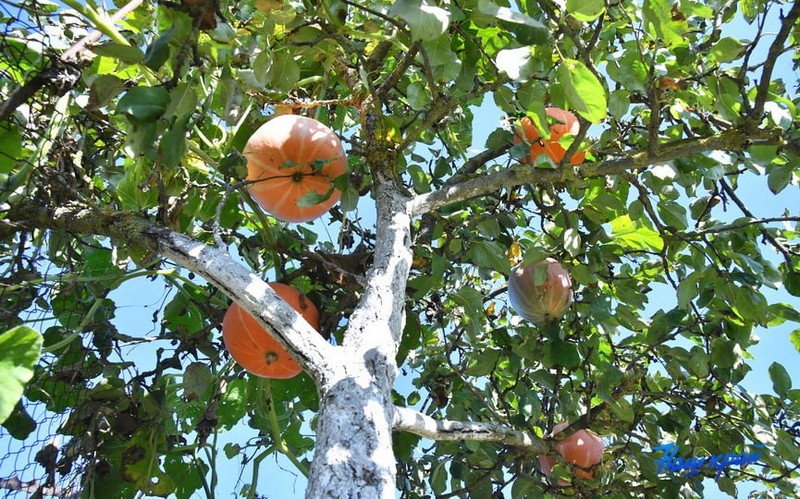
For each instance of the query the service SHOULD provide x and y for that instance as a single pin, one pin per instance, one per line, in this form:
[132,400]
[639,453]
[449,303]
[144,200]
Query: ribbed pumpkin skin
[282,152]
[568,123]
[254,348]
[583,448]
[545,302]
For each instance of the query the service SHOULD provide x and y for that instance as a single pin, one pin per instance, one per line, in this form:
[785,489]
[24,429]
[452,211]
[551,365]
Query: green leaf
[10,145]
[791,281]
[522,488]
[484,363]
[284,72]
[470,300]
[313,197]
[634,235]
[196,381]
[190,474]
[726,50]
[698,363]
[779,177]
[687,290]
[438,478]
[781,381]
[143,105]
[662,25]
[138,458]
[583,90]
[20,348]
[629,71]
[727,100]
[417,95]
[173,144]
[723,353]
[623,410]
[445,63]
[426,22]
[124,53]
[527,30]
[158,51]
[497,140]
[786,446]
[233,404]
[782,312]
[489,255]
[618,103]
[794,337]
[104,88]
[586,10]
[572,242]
[561,353]
[183,102]
[515,63]
[182,315]
[19,423]
[673,214]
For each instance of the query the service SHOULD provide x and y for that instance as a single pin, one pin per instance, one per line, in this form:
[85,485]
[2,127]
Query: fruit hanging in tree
[293,161]
[583,449]
[540,291]
[254,348]
[567,123]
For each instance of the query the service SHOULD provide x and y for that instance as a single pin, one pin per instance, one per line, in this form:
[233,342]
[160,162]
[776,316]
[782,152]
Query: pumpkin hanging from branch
[566,123]
[583,449]
[541,291]
[292,162]
[254,348]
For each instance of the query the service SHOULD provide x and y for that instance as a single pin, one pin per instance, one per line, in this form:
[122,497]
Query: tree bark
[353,453]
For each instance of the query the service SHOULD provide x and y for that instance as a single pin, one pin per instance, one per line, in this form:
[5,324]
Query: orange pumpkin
[566,123]
[583,448]
[254,348]
[288,157]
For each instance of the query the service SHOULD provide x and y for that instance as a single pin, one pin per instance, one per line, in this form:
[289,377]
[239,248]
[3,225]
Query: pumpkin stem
[270,358]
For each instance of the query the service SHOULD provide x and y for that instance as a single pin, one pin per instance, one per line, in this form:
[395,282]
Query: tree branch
[307,346]
[415,422]
[788,24]
[382,302]
[735,139]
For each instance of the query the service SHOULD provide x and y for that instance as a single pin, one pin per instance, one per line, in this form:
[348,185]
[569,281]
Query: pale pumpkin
[540,292]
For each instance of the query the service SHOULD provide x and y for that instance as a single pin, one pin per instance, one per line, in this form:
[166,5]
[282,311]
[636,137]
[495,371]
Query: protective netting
[32,466]
[34,460]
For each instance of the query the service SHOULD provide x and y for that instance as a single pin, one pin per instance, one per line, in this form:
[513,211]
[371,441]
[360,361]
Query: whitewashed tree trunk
[354,456]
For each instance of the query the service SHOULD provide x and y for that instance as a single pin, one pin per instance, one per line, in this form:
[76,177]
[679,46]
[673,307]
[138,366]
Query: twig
[92,37]
[764,232]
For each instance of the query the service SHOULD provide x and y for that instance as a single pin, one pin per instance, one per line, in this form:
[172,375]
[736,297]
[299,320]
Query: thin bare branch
[788,23]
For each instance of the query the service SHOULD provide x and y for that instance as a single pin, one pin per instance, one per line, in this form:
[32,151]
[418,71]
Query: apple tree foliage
[680,232]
